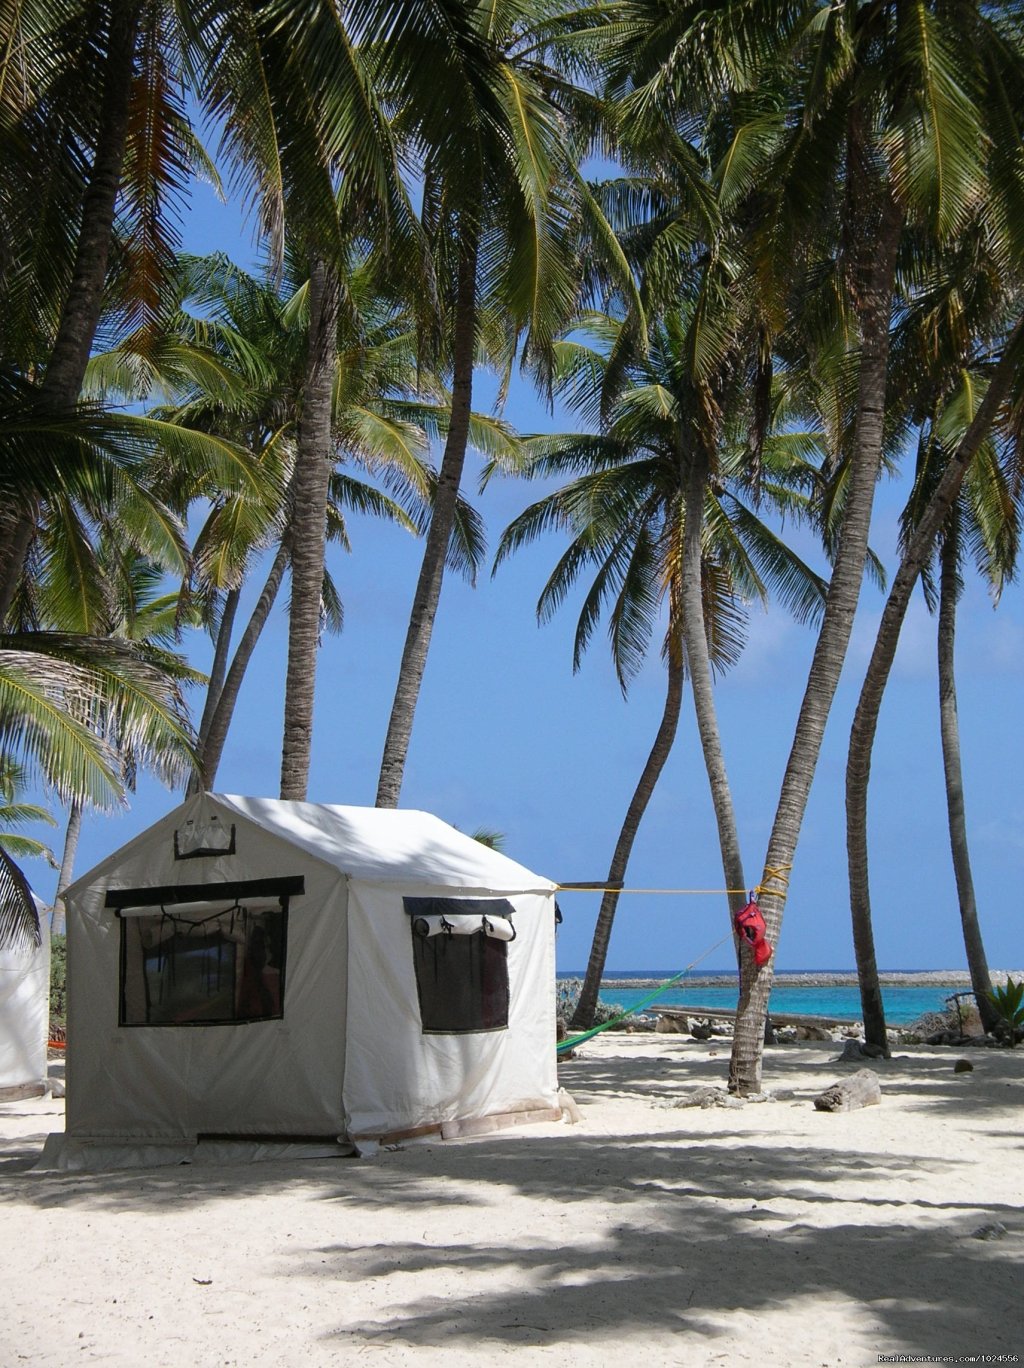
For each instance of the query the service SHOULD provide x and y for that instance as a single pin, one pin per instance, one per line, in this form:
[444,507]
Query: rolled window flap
[498,928]
[198,910]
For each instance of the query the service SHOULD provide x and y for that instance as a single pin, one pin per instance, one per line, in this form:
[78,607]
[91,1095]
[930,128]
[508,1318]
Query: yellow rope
[778,873]
[614,888]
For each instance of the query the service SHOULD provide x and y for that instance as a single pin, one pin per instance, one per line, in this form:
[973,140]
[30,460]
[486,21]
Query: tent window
[196,839]
[461,968]
[203,968]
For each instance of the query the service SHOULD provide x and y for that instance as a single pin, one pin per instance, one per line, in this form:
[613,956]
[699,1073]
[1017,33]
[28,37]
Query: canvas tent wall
[24,986]
[250,967]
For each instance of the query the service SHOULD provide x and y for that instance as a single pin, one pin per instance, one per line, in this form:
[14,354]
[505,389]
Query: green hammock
[607,1025]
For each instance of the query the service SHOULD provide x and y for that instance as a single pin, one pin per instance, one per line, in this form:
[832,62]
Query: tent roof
[377,845]
[386,844]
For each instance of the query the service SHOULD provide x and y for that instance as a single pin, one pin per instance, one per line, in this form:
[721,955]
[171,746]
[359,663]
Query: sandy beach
[765,1233]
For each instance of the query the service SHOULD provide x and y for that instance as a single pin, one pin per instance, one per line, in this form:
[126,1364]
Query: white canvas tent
[282,971]
[24,987]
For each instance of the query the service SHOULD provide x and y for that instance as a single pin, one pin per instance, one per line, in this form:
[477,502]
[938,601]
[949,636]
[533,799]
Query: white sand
[771,1234]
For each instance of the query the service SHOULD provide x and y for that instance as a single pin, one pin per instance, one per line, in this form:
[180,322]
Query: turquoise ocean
[903,1003]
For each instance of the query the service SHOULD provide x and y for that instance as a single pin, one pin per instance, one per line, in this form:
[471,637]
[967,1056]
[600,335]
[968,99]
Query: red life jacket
[750,925]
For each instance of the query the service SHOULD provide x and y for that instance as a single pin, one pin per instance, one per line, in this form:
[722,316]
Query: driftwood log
[22,1092]
[861,1089]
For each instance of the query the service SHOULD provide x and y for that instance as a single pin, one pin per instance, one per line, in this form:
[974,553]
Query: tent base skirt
[70,1155]
[458,1130]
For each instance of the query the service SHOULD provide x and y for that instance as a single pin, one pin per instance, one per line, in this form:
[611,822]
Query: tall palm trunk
[80,315]
[442,520]
[308,532]
[915,557]
[873,298]
[977,962]
[79,319]
[218,671]
[67,865]
[698,660]
[586,1007]
[211,746]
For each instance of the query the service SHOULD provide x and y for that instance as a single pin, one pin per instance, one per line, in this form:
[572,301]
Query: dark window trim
[440,903]
[291,886]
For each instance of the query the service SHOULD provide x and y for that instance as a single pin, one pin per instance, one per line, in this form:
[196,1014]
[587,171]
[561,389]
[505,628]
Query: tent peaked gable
[387,845]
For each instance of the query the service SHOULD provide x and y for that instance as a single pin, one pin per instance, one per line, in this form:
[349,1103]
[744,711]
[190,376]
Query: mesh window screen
[179,970]
[460,953]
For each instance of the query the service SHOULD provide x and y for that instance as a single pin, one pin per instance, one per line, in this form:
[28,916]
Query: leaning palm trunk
[698,661]
[586,1006]
[442,520]
[977,962]
[211,746]
[874,301]
[308,529]
[67,865]
[218,671]
[915,557]
[79,319]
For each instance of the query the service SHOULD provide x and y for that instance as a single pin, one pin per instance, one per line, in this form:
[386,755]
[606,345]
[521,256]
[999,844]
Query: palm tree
[135,611]
[962,494]
[103,100]
[86,470]
[949,592]
[335,77]
[960,298]
[649,514]
[116,69]
[47,678]
[849,123]
[236,368]
[495,213]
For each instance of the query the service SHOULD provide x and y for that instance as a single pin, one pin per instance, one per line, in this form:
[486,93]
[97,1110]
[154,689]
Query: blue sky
[507,738]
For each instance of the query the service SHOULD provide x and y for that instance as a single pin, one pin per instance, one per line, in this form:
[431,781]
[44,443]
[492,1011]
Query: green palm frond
[20,928]
[36,724]
[935,142]
[383,441]
[785,574]
[48,681]
[725,618]
[754,146]
[20,814]
[360,497]
[630,623]
[156,170]
[26,847]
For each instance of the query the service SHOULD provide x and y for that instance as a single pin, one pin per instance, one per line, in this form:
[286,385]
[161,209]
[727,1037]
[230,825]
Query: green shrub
[568,994]
[1009,1004]
[58,985]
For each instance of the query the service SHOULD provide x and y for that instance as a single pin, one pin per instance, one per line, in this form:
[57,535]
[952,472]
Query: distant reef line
[928,978]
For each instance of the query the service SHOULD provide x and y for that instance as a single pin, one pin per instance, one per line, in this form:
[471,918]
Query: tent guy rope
[779,874]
